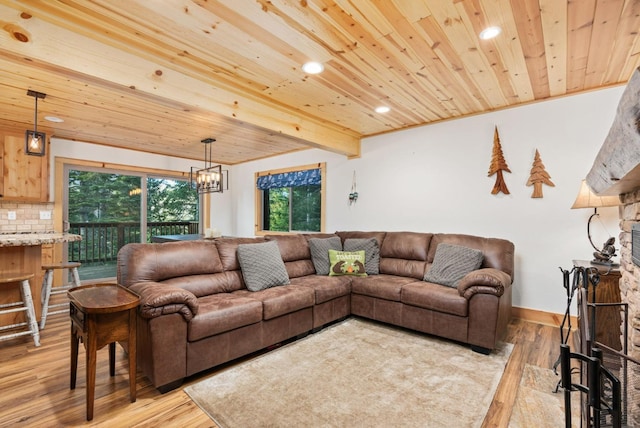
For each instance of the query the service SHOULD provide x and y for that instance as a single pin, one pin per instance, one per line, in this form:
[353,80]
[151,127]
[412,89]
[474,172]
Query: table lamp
[587,199]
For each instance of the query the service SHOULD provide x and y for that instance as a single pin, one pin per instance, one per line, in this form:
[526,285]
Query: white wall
[99,153]
[434,179]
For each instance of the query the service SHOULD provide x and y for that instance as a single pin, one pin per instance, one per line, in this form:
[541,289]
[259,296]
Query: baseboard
[540,317]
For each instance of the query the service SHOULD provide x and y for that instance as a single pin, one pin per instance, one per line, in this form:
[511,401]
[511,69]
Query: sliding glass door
[110,209]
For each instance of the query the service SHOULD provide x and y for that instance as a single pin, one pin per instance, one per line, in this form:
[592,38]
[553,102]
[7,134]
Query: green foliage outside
[96,197]
[279,209]
[305,202]
[171,200]
[105,209]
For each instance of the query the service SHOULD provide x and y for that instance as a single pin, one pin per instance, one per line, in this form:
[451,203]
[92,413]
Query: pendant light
[35,142]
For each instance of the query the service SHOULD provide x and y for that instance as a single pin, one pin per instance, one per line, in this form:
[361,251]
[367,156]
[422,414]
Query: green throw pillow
[347,263]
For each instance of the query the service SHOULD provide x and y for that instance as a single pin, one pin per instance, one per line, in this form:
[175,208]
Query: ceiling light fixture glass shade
[313,67]
[35,142]
[490,33]
[211,178]
[382,109]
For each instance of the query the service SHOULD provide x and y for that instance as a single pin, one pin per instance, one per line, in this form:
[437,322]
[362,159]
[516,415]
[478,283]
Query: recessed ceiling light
[490,33]
[383,109]
[53,119]
[313,67]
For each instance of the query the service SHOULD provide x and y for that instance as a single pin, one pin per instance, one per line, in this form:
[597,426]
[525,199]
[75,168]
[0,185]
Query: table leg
[112,358]
[91,345]
[74,356]
[132,355]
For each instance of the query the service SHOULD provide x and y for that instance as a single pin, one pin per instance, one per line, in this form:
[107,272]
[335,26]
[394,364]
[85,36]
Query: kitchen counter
[29,239]
[22,252]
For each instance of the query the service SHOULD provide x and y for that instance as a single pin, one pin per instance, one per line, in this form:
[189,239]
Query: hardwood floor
[34,389]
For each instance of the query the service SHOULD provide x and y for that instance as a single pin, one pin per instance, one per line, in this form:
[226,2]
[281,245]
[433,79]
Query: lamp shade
[587,199]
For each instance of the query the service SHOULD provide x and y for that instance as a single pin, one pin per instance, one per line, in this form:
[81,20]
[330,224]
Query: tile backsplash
[27,217]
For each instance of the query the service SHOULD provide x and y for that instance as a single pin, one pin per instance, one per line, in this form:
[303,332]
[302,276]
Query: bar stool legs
[25,305]
[48,289]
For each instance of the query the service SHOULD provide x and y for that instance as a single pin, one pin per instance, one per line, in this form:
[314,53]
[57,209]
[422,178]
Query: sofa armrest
[160,299]
[485,281]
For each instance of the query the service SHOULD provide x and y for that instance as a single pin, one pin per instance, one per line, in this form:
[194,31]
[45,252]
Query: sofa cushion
[451,263]
[295,254]
[299,268]
[435,297]
[382,286]
[277,301]
[204,285]
[405,254]
[228,250]
[223,312]
[498,253]
[319,248]
[371,252]
[139,262]
[262,266]
[347,263]
[325,287]
[379,236]
[292,247]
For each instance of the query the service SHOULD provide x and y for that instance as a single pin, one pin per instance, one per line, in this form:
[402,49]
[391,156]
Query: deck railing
[102,241]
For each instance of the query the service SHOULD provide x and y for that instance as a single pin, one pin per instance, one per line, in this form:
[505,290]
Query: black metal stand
[600,390]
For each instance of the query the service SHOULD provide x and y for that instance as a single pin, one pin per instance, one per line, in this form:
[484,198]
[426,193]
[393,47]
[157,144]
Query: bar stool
[48,289]
[25,305]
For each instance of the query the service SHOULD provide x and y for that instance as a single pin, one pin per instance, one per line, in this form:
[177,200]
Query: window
[113,207]
[290,200]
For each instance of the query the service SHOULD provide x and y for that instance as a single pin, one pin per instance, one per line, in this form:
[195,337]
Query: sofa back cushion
[405,254]
[362,235]
[228,250]
[498,253]
[160,262]
[295,254]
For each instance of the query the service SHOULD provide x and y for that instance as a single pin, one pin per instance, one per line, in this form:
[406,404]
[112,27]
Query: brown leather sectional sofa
[196,312]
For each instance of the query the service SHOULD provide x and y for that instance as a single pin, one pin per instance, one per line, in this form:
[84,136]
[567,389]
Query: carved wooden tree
[498,164]
[538,177]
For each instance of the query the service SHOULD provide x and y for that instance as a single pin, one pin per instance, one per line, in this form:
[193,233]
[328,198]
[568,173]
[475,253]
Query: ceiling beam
[35,39]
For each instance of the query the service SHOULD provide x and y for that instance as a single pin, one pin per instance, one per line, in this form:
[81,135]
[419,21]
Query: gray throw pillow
[262,266]
[371,252]
[451,263]
[319,248]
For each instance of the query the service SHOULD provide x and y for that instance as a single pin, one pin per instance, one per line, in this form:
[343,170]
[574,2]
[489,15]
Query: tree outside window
[290,200]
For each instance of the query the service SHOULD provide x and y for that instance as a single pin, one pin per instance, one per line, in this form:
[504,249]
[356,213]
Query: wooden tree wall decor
[498,164]
[538,177]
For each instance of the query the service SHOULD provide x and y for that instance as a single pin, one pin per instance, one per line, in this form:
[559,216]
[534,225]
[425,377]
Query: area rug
[356,374]
[538,405]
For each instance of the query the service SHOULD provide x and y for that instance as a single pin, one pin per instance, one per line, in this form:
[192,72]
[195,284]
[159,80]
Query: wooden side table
[102,314]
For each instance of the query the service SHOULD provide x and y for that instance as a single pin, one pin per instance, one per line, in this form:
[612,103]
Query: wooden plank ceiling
[159,76]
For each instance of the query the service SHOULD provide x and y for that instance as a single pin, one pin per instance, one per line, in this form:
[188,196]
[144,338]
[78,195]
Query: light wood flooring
[34,383]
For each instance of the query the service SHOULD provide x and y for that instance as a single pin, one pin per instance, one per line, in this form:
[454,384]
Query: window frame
[258,230]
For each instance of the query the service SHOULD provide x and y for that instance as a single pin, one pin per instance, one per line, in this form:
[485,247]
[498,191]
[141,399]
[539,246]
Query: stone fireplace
[616,171]
[630,294]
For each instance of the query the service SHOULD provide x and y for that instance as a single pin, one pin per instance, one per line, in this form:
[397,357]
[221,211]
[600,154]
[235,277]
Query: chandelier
[210,178]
